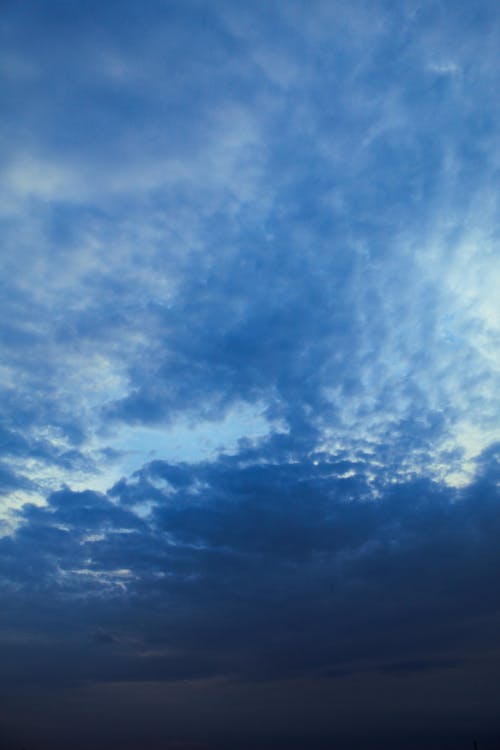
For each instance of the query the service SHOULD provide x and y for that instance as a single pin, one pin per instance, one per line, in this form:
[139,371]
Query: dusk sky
[250,369]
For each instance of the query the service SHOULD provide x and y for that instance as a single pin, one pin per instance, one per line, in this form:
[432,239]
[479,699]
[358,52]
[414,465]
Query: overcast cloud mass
[250,367]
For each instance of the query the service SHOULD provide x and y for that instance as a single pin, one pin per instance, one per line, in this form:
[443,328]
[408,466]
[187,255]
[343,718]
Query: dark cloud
[256,573]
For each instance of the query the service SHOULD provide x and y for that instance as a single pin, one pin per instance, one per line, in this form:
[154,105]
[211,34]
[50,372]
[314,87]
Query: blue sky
[250,372]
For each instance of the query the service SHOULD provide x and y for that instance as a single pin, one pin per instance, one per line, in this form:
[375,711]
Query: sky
[250,368]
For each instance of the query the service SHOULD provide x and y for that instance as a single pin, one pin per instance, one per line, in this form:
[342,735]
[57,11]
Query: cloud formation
[250,332]
[248,573]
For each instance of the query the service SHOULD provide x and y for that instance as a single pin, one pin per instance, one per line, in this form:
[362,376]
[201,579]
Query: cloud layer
[251,370]
[240,576]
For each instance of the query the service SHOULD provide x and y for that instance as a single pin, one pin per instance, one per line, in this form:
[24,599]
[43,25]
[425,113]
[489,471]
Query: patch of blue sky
[190,442]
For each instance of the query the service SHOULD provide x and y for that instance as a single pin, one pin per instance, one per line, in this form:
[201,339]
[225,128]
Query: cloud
[248,571]
[274,272]
[272,549]
[249,429]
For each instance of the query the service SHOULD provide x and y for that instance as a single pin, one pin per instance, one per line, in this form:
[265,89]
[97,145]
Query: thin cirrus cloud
[250,337]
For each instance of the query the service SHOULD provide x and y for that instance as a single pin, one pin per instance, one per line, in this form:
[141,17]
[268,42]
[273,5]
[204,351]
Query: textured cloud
[250,364]
[241,571]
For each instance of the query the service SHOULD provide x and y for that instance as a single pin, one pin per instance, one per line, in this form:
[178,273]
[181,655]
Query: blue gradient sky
[250,331]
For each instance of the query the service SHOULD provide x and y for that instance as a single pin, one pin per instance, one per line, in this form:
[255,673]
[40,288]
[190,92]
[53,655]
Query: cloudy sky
[250,367]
